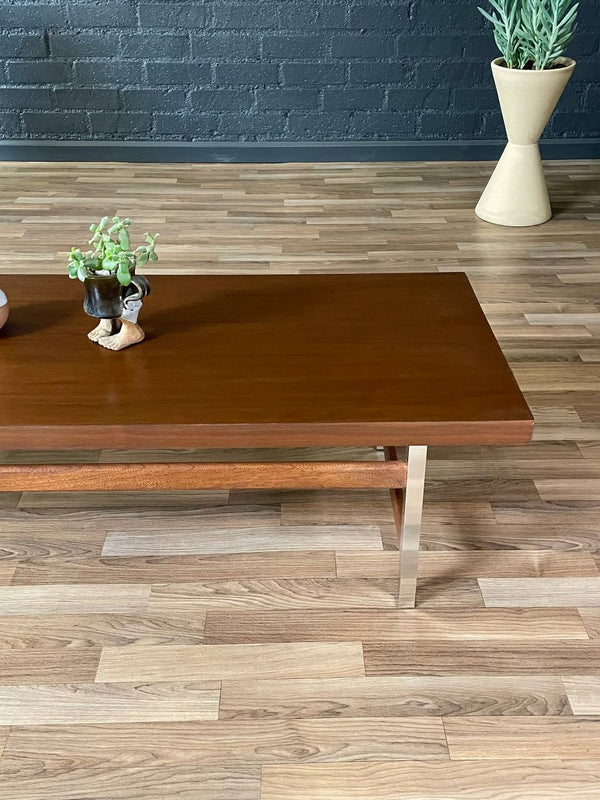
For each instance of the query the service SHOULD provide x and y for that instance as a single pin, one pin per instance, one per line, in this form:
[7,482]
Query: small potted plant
[113,291]
[530,77]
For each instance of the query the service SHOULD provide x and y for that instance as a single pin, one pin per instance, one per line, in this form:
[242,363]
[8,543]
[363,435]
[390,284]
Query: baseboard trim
[281,152]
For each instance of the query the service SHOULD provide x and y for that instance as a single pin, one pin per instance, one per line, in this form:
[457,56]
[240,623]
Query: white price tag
[131,310]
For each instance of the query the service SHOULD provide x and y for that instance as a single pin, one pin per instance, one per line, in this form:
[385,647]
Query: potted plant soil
[113,292]
[530,77]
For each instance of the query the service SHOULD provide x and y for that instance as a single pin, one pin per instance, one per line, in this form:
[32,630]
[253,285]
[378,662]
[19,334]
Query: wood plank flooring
[551,779]
[244,645]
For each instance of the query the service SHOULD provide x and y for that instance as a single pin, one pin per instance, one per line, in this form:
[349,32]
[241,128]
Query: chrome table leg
[410,531]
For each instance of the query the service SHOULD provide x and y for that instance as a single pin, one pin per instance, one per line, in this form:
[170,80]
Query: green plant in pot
[113,292]
[530,77]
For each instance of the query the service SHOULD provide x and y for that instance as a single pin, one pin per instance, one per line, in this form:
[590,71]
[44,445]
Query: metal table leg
[410,531]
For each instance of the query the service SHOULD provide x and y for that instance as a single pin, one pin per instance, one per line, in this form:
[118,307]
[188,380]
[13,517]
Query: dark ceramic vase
[104,294]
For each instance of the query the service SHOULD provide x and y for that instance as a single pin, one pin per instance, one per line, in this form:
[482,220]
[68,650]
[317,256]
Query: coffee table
[259,361]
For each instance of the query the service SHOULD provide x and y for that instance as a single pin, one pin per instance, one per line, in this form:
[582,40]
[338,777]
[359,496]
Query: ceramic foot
[129,334]
[106,327]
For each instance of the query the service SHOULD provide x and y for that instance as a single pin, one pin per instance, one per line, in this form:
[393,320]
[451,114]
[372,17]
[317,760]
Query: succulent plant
[111,252]
[532,34]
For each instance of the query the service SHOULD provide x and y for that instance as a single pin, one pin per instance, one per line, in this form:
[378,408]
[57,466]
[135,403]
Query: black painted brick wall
[265,70]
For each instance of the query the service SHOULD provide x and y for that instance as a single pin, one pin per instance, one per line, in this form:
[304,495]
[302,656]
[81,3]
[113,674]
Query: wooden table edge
[318,434]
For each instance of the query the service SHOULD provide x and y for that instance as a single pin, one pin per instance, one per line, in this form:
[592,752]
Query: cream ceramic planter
[516,194]
[3,308]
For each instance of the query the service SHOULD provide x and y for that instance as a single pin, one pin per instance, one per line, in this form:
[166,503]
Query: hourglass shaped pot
[516,194]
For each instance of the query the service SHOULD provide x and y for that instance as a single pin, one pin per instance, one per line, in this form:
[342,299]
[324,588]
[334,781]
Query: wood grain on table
[263,360]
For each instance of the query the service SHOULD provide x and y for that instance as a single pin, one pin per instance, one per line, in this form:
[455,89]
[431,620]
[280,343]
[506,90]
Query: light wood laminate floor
[244,645]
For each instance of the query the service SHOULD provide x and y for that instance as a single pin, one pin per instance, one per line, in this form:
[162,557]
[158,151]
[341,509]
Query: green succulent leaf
[532,34]
[111,251]
[124,277]
[124,238]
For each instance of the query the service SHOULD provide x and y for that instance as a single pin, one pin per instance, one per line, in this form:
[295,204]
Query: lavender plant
[111,252]
[532,34]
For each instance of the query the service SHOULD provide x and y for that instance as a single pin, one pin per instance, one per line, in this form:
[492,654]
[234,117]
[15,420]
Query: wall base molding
[280,152]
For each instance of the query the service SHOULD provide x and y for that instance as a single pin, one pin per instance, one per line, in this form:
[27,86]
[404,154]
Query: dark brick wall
[265,70]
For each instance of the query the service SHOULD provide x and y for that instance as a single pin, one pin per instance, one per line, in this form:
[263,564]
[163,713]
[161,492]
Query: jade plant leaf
[112,251]
[124,239]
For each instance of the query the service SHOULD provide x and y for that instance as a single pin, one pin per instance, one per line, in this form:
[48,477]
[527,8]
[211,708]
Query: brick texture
[265,70]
